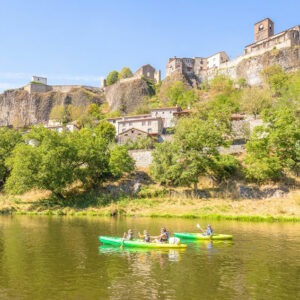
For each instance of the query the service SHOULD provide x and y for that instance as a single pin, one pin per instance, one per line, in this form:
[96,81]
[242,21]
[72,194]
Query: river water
[61,258]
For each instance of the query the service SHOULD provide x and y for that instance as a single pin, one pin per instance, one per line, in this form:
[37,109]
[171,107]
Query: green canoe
[117,241]
[201,236]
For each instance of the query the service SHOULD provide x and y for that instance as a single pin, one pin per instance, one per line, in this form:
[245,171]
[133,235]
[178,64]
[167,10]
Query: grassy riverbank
[286,209]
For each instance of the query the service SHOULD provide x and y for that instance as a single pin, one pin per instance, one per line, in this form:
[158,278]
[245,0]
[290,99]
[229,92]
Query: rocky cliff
[250,67]
[21,108]
[127,95]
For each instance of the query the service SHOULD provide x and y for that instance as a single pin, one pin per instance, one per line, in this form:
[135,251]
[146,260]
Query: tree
[120,161]
[221,84]
[254,100]
[193,152]
[274,147]
[59,159]
[112,78]
[176,93]
[9,138]
[60,113]
[275,78]
[125,73]
[48,165]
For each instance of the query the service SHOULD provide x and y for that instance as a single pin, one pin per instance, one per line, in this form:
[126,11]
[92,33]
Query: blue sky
[78,42]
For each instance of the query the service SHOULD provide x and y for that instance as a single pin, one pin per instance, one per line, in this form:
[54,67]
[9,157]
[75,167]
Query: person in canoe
[163,237]
[209,230]
[145,236]
[128,235]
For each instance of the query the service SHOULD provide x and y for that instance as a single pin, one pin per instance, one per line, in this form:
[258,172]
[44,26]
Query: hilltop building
[200,69]
[146,71]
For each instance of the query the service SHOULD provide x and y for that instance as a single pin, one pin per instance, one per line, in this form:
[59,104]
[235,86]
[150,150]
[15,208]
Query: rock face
[20,108]
[251,67]
[127,95]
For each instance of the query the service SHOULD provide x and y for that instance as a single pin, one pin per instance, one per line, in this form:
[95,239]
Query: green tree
[193,152]
[59,159]
[112,77]
[60,113]
[47,165]
[254,100]
[125,73]
[176,93]
[274,147]
[275,78]
[221,84]
[120,161]
[9,138]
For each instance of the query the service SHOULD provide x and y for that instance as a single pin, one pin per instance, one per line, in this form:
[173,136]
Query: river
[61,258]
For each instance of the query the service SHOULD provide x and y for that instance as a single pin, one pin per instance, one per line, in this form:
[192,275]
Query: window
[123,125]
[130,123]
[149,130]
[149,122]
[143,123]
[148,74]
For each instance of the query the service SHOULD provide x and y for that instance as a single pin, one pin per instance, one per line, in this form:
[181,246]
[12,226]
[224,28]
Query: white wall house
[39,79]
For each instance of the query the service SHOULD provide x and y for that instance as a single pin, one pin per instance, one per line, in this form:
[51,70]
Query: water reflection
[158,254]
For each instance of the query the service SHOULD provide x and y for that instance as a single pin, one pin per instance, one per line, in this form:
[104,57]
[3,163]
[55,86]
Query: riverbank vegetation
[74,168]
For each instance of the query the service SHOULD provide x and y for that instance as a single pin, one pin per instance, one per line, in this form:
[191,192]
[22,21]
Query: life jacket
[147,238]
[167,234]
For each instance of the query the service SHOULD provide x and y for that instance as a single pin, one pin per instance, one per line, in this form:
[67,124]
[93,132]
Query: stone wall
[143,158]
[37,88]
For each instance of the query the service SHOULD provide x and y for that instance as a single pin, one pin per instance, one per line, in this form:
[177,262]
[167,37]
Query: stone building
[149,125]
[153,124]
[166,114]
[149,73]
[265,40]
[200,68]
[38,79]
[132,135]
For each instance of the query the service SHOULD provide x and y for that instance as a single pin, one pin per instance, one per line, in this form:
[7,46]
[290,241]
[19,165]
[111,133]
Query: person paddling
[145,236]
[128,236]
[163,237]
[209,230]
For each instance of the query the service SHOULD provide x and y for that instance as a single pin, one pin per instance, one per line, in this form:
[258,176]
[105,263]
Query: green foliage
[120,161]
[59,159]
[293,88]
[141,143]
[222,84]
[275,78]
[125,73]
[176,93]
[193,152]
[49,165]
[225,167]
[254,100]
[274,147]
[112,77]
[60,113]
[9,138]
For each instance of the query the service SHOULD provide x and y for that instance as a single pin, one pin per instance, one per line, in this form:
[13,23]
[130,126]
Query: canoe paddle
[198,226]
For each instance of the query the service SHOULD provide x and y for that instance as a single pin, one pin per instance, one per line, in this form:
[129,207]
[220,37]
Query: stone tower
[263,29]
